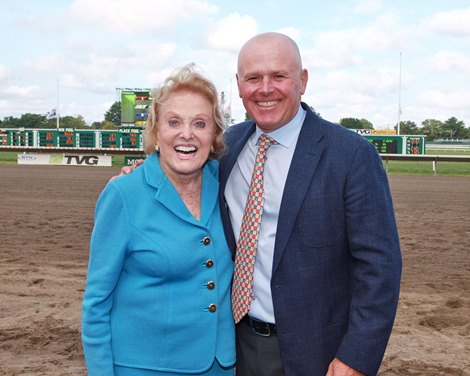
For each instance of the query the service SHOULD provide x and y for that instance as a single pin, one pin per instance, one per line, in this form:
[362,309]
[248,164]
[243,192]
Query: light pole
[399,98]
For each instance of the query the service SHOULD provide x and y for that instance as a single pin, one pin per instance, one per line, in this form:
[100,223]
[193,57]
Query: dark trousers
[257,355]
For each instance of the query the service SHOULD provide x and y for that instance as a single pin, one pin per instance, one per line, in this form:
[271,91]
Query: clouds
[136,17]
[350,48]
[3,73]
[221,35]
[368,6]
[449,100]
[24,92]
[453,22]
[452,62]
[355,70]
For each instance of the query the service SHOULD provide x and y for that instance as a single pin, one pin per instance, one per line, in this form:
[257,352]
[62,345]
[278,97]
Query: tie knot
[265,141]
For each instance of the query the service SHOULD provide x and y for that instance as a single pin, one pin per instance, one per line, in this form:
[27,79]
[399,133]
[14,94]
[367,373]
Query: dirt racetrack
[45,224]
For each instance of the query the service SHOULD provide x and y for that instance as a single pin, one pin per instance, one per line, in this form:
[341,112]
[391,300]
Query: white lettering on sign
[364,131]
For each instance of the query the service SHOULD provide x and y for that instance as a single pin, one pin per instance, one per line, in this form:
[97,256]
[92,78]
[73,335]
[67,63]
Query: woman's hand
[128,169]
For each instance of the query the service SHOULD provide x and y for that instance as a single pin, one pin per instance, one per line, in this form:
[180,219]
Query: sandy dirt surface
[45,224]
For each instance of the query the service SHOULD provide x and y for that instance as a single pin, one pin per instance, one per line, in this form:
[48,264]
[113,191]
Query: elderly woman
[157,298]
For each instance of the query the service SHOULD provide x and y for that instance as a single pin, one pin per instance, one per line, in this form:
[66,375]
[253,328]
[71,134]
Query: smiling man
[327,264]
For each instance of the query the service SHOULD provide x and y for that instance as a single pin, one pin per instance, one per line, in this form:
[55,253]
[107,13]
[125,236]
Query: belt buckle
[255,324]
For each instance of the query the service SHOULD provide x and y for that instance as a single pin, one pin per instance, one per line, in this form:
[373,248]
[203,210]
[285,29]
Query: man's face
[270,83]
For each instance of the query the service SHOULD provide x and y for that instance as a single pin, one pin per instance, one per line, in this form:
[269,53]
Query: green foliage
[114,114]
[408,127]
[107,125]
[72,122]
[96,125]
[453,128]
[40,121]
[351,123]
[26,121]
[366,124]
[432,129]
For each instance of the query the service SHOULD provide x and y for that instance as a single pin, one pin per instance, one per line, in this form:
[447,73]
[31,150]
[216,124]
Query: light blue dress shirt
[277,165]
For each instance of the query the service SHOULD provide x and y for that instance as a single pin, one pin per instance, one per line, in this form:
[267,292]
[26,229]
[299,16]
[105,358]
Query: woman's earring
[157,148]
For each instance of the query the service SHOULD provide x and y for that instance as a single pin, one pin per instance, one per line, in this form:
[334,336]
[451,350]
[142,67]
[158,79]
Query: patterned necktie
[242,288]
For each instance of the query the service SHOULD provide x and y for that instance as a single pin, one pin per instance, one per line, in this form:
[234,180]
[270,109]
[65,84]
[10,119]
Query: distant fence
[427,157]
[431,146]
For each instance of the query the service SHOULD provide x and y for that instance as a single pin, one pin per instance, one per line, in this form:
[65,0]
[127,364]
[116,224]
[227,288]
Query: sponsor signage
[375,131]
[65,159]
[129,161]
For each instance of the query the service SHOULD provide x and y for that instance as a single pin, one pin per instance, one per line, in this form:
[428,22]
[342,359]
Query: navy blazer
[337,260]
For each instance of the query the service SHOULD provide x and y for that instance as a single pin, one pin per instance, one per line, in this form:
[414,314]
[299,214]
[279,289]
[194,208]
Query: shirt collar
[286,134]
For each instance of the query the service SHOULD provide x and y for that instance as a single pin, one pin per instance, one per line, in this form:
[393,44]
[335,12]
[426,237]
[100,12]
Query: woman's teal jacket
[158,287]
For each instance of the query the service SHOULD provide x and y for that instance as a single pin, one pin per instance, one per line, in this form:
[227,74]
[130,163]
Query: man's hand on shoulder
[338,368]
[128,169]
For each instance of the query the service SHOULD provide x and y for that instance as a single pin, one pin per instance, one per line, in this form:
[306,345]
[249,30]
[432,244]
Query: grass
[448,152]
[425,168]
[8,157]
[393,167]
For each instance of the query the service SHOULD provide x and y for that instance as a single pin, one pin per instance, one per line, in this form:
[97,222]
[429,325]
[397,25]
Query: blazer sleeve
[107,252]
[375,261]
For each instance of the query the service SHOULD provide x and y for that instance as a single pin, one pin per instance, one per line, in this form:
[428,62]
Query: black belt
[261,328]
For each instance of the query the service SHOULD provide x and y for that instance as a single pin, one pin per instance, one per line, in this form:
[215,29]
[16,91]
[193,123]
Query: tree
[247,116]
[32,120]
[351,123]
[96,125]
[72,122]
[40,121]
[454,128]
[366,124]
[114,114]
[106,124]
[10,122]
[408,127]
[432,129]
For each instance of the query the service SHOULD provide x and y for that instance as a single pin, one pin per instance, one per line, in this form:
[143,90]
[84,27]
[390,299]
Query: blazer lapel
[235,140]
[167,195]
[304,162]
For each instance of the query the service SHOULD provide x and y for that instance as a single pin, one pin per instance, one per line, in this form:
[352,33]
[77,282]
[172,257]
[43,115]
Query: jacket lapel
[167,195]
[304,162]
[235,139]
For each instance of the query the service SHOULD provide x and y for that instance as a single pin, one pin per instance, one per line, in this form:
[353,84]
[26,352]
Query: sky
[366,58]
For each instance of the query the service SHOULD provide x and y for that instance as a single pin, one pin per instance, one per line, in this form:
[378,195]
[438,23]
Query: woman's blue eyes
[196,123]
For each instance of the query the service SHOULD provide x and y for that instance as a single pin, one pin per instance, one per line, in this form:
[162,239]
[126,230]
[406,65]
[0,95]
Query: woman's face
[186,131]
